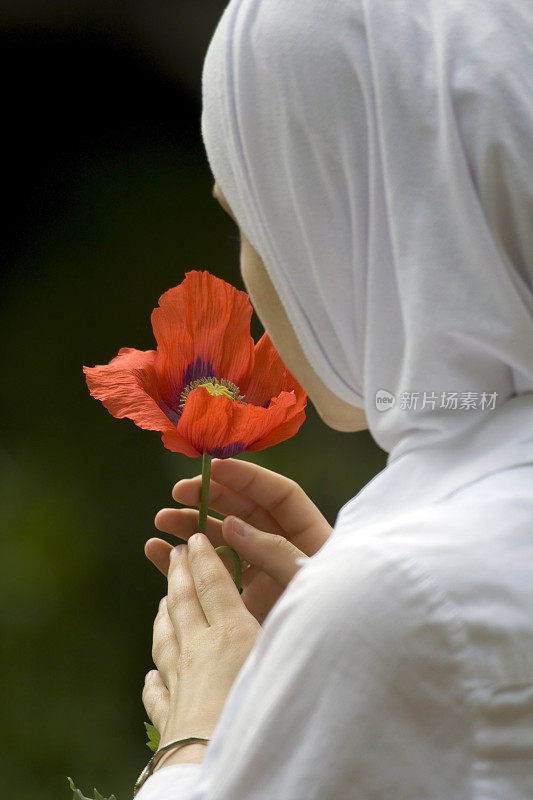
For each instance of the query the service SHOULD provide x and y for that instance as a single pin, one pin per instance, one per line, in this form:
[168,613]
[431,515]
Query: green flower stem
[237,569]
[204,496]
[202,520]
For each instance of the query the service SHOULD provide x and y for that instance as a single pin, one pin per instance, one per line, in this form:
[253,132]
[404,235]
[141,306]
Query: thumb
[270,552]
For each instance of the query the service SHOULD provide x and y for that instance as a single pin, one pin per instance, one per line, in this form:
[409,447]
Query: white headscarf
[378,154]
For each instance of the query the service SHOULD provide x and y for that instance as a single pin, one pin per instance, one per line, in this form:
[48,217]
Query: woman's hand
[203,633]
[286,525]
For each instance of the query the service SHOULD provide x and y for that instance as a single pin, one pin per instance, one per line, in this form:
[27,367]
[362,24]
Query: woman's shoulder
[458,570]
[376,609]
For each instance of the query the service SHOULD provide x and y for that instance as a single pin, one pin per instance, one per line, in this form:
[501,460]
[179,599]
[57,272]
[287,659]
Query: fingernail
[179,550]
[149,675]
[162,603]
[239,527]
[195,539]
[175,487]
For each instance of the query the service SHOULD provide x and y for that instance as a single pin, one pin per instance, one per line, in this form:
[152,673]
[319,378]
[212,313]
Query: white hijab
[378,155]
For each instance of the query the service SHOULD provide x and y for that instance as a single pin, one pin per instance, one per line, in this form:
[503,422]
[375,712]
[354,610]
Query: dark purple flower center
[196,369]
[228,451]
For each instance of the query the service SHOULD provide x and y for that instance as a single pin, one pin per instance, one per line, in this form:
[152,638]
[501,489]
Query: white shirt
[398,663]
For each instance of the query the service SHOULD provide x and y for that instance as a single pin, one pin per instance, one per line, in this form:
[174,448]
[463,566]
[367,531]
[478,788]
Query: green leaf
[98,796]
[77,795]
[153,737]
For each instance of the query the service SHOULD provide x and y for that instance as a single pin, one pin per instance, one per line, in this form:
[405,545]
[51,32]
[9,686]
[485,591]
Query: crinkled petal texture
[223,427]
[202,328]
[270,376]
[127,387]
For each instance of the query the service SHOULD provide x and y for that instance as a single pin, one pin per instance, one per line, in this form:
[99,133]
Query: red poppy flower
[207,388]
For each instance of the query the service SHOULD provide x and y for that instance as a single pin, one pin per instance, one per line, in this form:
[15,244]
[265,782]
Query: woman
[377,159]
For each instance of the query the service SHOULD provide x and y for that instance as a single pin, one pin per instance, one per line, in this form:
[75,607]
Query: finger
[281,497]
[156,699]
[184,606]
[158,552]
[225,501]
[183,522]
[165,645]
[272,553]
[217,592]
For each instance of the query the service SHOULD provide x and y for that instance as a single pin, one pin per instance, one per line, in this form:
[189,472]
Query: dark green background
[109,196]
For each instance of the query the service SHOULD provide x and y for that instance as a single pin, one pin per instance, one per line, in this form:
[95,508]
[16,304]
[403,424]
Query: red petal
[270,376]
[202,328]
[175,442]
[122,387]
[285,431]
[224,427]
[127,387]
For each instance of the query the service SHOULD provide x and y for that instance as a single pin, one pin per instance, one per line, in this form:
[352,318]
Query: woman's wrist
[193,753]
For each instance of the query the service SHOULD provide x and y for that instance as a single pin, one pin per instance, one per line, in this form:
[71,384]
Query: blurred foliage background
[108,203]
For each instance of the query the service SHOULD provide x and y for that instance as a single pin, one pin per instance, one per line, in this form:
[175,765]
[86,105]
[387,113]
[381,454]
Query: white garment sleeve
[355,689]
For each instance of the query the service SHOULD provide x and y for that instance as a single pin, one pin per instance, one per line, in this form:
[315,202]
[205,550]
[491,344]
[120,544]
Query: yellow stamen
[215,387]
